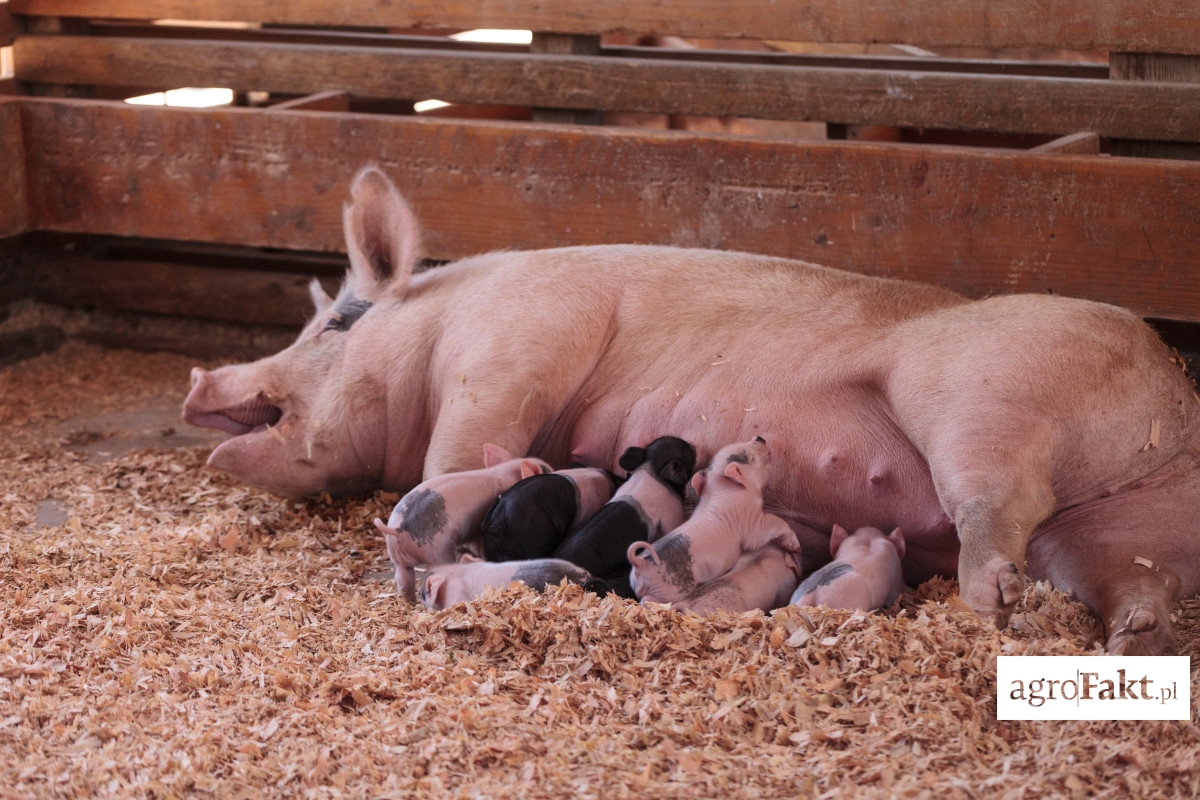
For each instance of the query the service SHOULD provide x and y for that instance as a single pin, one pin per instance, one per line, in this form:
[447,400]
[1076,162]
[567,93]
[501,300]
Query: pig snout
[642,553]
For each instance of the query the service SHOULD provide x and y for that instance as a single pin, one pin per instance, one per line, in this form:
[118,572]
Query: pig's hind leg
[997,497]
[1129,558]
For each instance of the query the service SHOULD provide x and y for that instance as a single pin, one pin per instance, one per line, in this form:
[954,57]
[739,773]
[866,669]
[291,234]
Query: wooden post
[63,26]
[566,44]
[1162,67]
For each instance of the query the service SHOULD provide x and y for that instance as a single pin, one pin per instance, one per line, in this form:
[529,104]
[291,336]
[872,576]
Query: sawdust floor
[170,632]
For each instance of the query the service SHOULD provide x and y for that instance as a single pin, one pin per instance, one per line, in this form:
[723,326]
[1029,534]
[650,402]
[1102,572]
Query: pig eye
[336,323]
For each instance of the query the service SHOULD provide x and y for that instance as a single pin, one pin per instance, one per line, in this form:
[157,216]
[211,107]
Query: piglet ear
[433,590]
[896,537]
[531,467]
[640,554]
[733,471]
[697,483]
[836,539]
[632,458]
[467,558]
[494,454]
[675,473]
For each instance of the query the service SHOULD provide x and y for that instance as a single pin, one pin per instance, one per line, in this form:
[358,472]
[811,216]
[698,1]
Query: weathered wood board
[1119,230]
[14,217]
[1164,26]
[1008,103]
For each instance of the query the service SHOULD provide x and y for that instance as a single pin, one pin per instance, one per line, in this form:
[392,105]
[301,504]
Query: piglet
[447,584]
[728,521]
[865,576]
[762,579]
[647,505]
[440,516]
[533,517]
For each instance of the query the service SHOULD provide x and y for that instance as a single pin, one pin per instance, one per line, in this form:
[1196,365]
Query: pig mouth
[238,420]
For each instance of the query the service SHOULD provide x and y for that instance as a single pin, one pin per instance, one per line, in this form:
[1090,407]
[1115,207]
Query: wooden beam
[1162,67]
[228,295]
[1162,26]
[1008,103]
[14,212]
[8,28]
[1124,231]
[565,44]
[1082,143]
[1045,69]
[321,101]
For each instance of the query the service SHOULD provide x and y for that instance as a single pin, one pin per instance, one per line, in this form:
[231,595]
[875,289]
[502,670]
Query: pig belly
[838,457]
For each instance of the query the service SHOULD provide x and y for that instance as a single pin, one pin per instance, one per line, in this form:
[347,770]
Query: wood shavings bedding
[182,634]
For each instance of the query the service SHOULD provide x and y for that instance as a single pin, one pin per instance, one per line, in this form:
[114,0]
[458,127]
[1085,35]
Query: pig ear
[632,458]
[494,454]
[467,558]
[698,483]
[382,238]
[432,591]
[319,297]
[836,539]
[896,537]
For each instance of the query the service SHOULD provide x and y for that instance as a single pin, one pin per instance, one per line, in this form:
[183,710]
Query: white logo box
[1093,687]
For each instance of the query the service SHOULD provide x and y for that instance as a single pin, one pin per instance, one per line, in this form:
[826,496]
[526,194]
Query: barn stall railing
[153,200]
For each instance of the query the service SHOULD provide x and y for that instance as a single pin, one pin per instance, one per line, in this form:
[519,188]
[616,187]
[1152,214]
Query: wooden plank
[1155,67]
[1166,26]
[1082,143]
[14,212]
[1119,230]
[565,44]
[229,295]
[1009,103]
[8,28]
[321,101]
[1046,69]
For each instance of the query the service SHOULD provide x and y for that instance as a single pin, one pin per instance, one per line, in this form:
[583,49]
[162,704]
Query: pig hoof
[1140,634]
[995,602]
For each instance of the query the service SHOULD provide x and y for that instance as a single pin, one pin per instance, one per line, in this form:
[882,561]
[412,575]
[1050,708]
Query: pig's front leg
[508,411]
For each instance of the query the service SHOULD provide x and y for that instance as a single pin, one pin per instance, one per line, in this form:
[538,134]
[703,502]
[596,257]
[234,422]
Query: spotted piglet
[865,576]
[762,579]
[534,517]
[648,505]
[448,584]
[728,521]
[441,516]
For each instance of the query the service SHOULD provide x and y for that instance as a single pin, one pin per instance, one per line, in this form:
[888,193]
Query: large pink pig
[865,576]
[728,521]
[762,579]
[440,518]
[1013,434]
[448,584]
